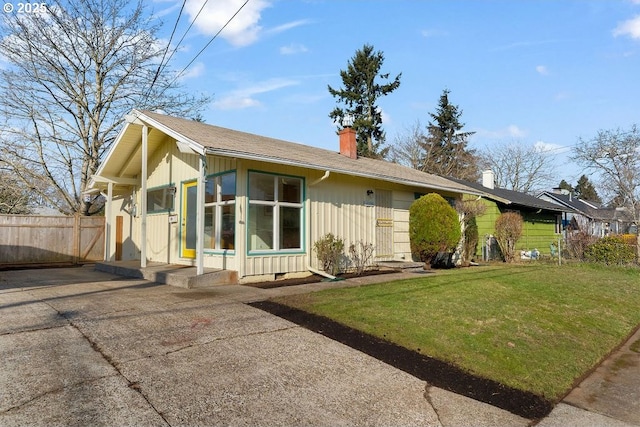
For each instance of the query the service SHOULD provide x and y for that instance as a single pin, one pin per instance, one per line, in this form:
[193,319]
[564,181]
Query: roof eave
[278,160]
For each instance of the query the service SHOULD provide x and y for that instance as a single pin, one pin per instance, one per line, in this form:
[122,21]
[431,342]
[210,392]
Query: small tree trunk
[637,245]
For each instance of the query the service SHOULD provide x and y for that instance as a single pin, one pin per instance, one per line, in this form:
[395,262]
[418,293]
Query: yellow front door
[189,209]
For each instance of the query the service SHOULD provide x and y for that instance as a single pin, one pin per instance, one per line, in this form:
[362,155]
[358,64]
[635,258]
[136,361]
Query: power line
[208,43]
[185,33]
[164,55]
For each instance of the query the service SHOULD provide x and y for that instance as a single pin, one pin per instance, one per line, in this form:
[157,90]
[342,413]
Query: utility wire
[208,43]
[162,65]
[185,34]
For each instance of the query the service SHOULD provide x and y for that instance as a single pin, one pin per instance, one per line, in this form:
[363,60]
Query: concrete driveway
[80,347]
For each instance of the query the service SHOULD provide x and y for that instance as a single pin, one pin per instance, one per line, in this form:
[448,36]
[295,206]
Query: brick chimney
[348,145]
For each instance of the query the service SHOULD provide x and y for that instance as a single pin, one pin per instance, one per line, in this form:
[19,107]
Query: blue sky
[532,72]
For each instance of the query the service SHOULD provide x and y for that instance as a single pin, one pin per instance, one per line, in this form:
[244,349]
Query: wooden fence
[29,240]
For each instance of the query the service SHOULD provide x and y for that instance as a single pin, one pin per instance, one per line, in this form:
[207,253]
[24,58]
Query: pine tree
[445,146]
[585,190]
[359,96]
[564,185]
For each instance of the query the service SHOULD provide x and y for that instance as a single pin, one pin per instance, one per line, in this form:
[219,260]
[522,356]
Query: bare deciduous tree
[407,149]
[614,155]
[73,72]
[519,167]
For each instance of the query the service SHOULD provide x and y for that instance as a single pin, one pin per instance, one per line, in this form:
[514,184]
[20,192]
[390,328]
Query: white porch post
[108,254]
[202,173]
[143,201]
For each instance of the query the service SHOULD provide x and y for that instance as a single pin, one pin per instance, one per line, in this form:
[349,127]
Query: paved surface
[80,347]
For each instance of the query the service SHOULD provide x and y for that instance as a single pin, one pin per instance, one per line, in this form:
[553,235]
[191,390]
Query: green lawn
[533,327]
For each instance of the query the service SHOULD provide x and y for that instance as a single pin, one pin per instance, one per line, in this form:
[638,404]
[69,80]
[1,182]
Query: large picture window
[220,212]
[275,212]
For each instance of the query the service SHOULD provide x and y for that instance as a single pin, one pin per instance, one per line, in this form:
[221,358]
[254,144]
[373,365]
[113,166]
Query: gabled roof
[586,208]
[571,202]
[515,198]
[208,139]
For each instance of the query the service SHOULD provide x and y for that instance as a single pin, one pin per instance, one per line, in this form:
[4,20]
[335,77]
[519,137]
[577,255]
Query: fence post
[559,250]
[76,238]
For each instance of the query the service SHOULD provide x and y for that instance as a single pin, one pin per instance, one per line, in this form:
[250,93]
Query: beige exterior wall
[338,204]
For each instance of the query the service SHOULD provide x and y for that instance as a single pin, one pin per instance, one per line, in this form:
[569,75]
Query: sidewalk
[81,347]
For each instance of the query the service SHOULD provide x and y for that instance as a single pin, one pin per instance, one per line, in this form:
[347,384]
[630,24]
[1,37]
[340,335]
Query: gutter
[240,155]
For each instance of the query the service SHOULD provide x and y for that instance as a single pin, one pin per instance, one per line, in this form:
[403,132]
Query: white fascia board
[181,139]
[115,180]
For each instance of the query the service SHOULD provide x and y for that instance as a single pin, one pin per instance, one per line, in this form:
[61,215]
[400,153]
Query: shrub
[433,227]
[360,254]
[508,231]
[329,250]
[471,238]
[468,211]
[577,243]
[610,250]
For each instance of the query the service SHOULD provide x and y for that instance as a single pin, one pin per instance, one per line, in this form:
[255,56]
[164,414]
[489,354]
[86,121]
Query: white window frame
[217,206]
[275,205]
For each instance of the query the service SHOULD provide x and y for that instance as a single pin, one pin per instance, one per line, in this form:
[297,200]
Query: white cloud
[293,48]
[542,70]
[242,30]
[546,147]
[515,132]
[629,28]
[428,33]
[289,25]
[510,132]
[194,71]
[245,97]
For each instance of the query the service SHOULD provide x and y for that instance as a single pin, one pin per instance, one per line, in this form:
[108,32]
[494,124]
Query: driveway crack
[94,345]
[427,396]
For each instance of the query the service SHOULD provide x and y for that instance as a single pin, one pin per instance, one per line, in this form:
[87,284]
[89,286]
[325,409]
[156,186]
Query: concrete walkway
[80,347]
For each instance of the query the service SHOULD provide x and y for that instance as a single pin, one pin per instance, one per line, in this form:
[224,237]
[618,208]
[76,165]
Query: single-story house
[588,216]
[184,192]
[542,219]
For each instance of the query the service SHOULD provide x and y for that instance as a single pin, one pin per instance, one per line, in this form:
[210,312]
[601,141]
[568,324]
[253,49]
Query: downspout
[322,178]
[311,269]
[323,273]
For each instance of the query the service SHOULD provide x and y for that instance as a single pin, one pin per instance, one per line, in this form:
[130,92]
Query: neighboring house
[542,219]
[588,216]
[183,192]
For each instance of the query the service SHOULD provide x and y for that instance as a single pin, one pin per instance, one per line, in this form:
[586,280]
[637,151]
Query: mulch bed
[433,371]
[314,278]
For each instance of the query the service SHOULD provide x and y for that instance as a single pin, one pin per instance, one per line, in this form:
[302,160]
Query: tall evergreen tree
[585,190]
[445,146]
[564,185]
[358,98]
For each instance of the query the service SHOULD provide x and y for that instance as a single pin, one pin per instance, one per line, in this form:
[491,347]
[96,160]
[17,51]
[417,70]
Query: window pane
[260,227]
[192,194]
[209,227]
[289,190]
[228,230]
[261,187]
[228,183]
[210,195]
[290,228]
[160,199]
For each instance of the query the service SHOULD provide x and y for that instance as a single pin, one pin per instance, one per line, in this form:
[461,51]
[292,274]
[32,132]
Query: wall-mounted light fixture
[369,192]
[171,191]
